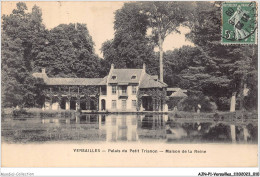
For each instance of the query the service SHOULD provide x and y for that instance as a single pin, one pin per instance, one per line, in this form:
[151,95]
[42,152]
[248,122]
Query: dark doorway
[93,104]
[83,105]
[73,105]
[103,104]
[63,103]
[147,103]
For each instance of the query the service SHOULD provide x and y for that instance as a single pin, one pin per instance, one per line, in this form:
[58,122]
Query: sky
[99,17]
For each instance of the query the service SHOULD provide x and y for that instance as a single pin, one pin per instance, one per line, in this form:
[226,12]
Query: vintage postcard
[129,84]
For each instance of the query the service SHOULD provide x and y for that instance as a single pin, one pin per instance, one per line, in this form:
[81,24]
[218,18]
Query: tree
[130,47]
[69,52]
[18,35]
[189,69]
[66,51]
[164,18]
[178,60]
[11,70]
[231,62]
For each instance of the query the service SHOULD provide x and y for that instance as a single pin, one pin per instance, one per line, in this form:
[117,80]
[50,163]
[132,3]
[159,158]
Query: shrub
[18,112]
[213,106]
[190,103]
[223,103]
[172,102]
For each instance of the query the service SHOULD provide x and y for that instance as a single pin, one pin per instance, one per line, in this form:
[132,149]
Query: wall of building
[109,97]
[48,106]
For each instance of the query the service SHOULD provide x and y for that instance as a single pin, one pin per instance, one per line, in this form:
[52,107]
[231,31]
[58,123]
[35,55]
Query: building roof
[173,89]
[148,81]
[178,94]
[176,90]
[103,81]
[117,76]
[154,77]
[125,76]
[70,81]
[73,81]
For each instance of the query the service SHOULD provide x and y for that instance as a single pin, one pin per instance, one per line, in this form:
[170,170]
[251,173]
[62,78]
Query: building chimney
[144,68]
[112,66]
[44,75]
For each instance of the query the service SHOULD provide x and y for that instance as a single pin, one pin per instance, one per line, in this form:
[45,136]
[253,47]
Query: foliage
[214,69]
[210,71]
[189,69]
[222,116]
[157,95]
[65,51]
[191,103]
[69,52]
[18,40]
[130,47]
[18,112]
[164,18]
[234,63]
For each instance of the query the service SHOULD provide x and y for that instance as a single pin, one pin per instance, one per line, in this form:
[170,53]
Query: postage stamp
[239,23]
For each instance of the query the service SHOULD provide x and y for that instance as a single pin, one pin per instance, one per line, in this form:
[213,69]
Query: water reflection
[123,128]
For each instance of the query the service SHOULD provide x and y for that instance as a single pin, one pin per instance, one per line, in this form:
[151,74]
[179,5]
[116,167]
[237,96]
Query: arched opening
[55,103]
[103,104]
[73,104]
[63,103]
[83,104]
[147,103]
[93,104]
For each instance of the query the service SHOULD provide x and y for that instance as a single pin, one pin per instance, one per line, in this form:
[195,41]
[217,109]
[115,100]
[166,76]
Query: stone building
[127,90]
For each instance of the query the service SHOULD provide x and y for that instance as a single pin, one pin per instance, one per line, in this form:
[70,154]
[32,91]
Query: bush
[172,102]
[223,103]
[213,106]
[190,103]
[17,112]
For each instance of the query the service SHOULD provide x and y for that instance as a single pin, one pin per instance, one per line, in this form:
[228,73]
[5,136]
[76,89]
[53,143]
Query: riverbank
[31,112]
[216,115]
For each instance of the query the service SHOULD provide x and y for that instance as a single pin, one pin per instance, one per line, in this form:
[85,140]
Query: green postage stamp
[239,23]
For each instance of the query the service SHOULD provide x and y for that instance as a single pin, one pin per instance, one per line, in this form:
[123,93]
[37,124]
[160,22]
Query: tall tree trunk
[233,102]
[242,87]
[161,57]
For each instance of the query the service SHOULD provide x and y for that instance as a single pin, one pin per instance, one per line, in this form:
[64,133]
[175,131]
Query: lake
[98,128]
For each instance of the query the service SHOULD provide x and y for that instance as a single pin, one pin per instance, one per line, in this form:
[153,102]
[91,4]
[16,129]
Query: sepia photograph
[129,84]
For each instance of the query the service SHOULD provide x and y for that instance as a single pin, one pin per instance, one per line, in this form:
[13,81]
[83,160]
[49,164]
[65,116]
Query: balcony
[122,94]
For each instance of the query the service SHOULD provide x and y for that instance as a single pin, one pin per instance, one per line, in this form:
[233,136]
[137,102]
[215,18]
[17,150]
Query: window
[113,77]
[124,88]
[123,104]
[103,90]
[113,104]
[134,90]
[133,104]
[133,77]
[113,90]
